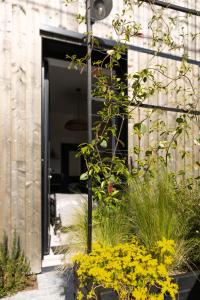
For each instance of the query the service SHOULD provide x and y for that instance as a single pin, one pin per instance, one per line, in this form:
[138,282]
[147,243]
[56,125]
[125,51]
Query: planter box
[189,288]
[106,294]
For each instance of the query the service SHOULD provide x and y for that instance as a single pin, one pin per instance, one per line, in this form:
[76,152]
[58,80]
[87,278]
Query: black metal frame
[162,54]
[79,38]
[89,115]
[174,7]
[172,109]
[45,207]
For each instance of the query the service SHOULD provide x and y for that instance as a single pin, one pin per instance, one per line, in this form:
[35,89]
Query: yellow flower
[166,246]
[168,260]
[162,271]
[140,293]
[128,269]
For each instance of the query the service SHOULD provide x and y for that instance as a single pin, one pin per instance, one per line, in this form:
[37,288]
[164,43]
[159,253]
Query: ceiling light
[78,123]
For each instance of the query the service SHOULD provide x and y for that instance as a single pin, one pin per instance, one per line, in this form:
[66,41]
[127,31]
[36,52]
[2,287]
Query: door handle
[49,176]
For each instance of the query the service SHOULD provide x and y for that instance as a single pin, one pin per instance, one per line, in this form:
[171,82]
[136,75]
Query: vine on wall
[123,98]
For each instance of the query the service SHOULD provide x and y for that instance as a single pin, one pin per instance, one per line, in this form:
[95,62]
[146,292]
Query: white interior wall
[66,103]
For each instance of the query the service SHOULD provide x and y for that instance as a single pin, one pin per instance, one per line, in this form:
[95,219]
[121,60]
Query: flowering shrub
[128,269]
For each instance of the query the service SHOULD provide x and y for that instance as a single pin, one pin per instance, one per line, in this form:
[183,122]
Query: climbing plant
[123,98]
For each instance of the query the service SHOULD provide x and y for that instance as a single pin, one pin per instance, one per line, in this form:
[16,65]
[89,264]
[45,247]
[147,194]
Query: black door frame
[45,160]
[60,38]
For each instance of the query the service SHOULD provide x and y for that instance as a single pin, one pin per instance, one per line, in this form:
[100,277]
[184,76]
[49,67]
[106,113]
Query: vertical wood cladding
[20,109]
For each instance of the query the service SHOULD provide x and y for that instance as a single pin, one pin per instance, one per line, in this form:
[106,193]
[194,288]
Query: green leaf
[140,127]
[197,163]
[137,126]
[115,193]
[174,145]
[112,178]
[183,154]
[162,144]
[143,128]
[118,56]
[103,183]
[91,172]
[179,130]
[104,144]
[136,149]
[84,176]
[197,141]
[179,120]
[181,172]
[122,143]
[148,152]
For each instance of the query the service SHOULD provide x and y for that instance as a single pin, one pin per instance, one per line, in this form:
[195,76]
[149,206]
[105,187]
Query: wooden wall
[20,109]
[20,115]
[138,61]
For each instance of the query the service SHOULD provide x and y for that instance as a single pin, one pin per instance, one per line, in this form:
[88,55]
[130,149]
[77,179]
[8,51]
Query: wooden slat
[5,140]
[33,141]
[18,122]
[5,118]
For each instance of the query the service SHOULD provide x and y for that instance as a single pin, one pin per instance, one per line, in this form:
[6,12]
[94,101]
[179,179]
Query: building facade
[26,28]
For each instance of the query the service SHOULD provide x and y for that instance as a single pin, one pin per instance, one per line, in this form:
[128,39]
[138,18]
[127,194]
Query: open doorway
[64,127]
[67,130]
[68,126]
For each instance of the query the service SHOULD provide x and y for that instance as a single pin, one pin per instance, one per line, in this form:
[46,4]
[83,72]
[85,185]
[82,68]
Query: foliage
[153,205]
[155,211]
[129,269]
[152,209]
[110,167]
[123,98]
[77,232]
[190,211]
[14,267]
[110,227]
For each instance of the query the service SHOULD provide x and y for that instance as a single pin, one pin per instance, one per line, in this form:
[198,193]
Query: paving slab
[52,285]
